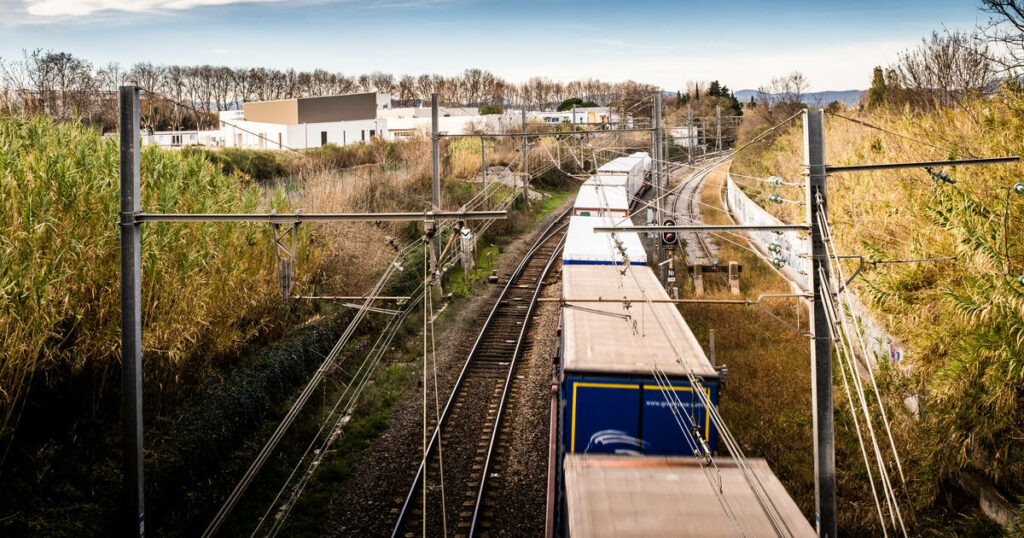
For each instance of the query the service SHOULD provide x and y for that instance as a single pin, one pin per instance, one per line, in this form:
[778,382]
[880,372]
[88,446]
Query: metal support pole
[483,165]
[659,180]
[711,346]
[821,342]
[526,164]
[131,314]
[690,141]
[435,179]
[718,128]
[435,155]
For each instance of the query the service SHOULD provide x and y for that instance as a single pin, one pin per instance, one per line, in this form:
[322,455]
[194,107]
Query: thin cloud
[618,43]
[16,12]
[81,8]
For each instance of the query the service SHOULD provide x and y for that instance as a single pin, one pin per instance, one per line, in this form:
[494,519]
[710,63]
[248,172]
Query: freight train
[634,442]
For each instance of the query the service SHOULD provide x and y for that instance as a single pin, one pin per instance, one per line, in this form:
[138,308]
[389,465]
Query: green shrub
[262,166]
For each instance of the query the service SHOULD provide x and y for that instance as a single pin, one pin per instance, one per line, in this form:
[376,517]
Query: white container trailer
[629,167]
[645,159]
[647,164]
[584,247]
[596,199]
[616,496]
[610,181]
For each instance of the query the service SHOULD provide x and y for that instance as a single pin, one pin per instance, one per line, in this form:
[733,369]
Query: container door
[601,416]
[663,413]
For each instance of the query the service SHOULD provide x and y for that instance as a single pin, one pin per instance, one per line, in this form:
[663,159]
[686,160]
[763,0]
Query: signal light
[669,239]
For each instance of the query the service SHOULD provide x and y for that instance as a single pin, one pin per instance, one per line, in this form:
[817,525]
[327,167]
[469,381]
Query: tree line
[950,67]
[65,87]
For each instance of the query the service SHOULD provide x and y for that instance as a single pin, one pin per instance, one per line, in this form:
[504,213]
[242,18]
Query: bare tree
[364,83]
[945,68]
[381,82]
[221,84]
[1005,31]
[178,95]
[406,89]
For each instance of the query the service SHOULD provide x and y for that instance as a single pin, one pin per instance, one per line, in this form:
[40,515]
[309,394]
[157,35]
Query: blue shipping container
[633,415]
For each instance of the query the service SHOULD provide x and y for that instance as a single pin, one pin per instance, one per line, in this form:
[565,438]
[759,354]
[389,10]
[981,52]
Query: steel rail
[508,383]
[434,438]
[696,192]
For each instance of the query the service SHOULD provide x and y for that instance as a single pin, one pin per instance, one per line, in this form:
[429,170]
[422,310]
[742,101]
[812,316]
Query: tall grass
[963,320]
[205,287]
[767,400]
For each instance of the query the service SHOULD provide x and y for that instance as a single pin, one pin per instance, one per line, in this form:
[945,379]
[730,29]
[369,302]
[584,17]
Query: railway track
[466,446]
[686,202]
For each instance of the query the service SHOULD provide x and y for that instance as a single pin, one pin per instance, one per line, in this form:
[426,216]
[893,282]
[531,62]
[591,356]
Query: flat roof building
[351,107]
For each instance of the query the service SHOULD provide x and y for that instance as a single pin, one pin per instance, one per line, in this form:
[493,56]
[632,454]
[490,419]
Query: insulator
[940,175]
[1018,188]
[1021,280]
[778,262]
[775,181]
[775,198]
[775,247]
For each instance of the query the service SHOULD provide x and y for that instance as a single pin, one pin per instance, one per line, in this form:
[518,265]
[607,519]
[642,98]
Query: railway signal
[669,239]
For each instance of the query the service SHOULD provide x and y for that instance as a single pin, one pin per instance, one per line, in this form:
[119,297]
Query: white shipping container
[630,167]
[597,341]
[645,159]
[645,168]
[597,200]
[584,247]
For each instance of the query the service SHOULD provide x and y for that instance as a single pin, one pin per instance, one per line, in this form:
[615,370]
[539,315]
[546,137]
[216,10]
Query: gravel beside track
[367,506]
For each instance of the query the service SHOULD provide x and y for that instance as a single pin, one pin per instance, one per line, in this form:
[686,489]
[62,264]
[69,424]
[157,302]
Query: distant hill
[849,97]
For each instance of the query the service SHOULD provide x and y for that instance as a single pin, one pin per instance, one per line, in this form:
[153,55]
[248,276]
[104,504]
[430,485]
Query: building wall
[269,136]
[179,139]
[447,125]
[339,133]
[285,112]
[255,135]
[359,106]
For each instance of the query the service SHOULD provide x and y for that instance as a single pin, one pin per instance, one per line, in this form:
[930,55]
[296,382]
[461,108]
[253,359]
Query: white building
[340,120]
[306,122]
[410,121]
[181,139]
[581,115]
[684,136]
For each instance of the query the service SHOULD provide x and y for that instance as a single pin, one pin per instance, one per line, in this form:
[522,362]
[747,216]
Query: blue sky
[742,43]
